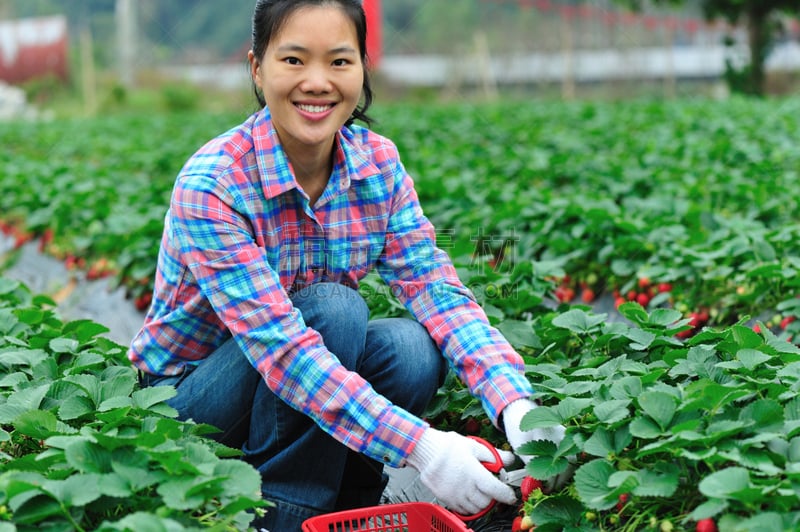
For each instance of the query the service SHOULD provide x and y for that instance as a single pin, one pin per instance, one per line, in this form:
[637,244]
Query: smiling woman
[256,317]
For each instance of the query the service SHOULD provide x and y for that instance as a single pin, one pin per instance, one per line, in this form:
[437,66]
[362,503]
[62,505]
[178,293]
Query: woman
[256,319]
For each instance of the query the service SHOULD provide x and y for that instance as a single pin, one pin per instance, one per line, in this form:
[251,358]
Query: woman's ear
[255,68]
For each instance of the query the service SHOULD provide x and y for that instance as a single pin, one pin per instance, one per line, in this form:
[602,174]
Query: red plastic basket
[400,517]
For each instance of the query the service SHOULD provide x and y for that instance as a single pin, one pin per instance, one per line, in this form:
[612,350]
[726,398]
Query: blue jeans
[306,472]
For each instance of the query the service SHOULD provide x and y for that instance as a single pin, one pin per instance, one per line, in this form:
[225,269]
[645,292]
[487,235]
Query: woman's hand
[450,466]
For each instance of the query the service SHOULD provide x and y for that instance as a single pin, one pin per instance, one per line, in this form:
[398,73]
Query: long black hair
[270,15]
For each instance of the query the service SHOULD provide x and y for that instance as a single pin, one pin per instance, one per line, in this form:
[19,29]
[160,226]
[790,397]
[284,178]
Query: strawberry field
[642,256]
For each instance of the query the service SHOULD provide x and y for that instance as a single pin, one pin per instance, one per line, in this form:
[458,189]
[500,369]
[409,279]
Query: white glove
[450,466]
[512,419]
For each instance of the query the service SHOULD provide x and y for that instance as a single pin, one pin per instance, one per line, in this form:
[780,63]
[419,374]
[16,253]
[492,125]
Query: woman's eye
[292,60]
[340,62]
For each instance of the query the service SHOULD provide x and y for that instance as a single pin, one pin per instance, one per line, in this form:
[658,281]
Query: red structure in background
[33,48]
[372,9]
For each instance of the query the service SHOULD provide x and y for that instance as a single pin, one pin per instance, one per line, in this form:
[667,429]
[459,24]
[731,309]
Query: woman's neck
[312,169]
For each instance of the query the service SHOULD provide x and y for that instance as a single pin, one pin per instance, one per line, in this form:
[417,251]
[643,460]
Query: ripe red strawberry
[786,321]
[622,500]
[516,525]
[143,301]
[587,295]
[706,525]
[644,282]
[664,287]
[565,294]
[619,301]
[472,426]
[529,484]
[643,299]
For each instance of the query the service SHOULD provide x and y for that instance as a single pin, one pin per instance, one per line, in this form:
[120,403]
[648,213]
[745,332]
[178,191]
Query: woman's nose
[316,80]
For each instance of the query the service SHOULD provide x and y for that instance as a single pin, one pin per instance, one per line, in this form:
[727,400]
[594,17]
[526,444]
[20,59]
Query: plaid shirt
[240,236]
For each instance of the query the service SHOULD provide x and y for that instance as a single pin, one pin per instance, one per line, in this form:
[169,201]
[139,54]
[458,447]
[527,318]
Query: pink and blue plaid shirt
[240,235]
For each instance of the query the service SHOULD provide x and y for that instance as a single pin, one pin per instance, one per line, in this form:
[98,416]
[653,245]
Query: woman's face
[311,76]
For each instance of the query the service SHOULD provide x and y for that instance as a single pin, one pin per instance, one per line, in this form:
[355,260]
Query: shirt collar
[351,162]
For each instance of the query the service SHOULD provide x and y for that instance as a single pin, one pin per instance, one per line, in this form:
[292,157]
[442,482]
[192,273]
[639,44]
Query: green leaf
[645,428]
[660,406]
[761,521]
[602,442]
[765,413]
[22,357]
[634,312]
[147,397]
[659,480]
[22,401]
[36,509]
[37,424]
[75,407]
[84,330]
[664,316]
[519,333]
[724,484]
[76,490]
[710,508]
[592,485]
[610,412]
[87,456]
[64,345]
[546,466]
[578,321]
[559,510]
[540,418]
[751,358]
[144,521]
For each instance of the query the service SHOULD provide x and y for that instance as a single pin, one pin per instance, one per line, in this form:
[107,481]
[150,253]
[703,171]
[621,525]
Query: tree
[762,31]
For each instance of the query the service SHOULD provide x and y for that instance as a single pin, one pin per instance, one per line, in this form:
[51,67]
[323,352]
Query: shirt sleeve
[216,243]
[426,282]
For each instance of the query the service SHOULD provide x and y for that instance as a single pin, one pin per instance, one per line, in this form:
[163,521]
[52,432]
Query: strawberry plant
[664,432]
[83,448]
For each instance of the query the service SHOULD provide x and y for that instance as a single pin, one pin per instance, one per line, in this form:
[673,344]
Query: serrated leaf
[722,484]
[610,412]
[87,456]
[539,418]
[660,406]
[759,522]
[664,316]
[570,407]
[603,442]
[22,357]
[147,397]
[64,345]
[661,480]
[557,510]
[22,401]
[751,358]
[578,321]
[710,508]
[519,333]
[645,428]
[764,413]
[75,490]
[36,510]
[37,424]
[546,466]
[75,407]
[591,483]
